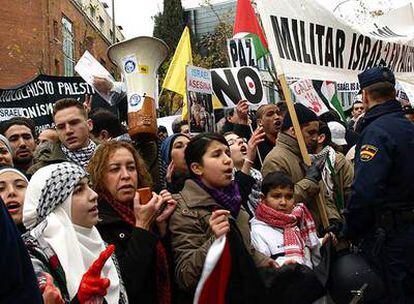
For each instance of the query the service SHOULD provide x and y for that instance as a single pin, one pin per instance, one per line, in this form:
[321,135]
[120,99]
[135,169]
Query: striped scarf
[81,156]
[299,229]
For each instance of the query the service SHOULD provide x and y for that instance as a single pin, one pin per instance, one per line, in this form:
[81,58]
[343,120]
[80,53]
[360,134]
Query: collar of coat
[194,196]
[391,106]
[288,142]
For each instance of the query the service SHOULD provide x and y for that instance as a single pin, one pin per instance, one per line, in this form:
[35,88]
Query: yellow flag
[175,78]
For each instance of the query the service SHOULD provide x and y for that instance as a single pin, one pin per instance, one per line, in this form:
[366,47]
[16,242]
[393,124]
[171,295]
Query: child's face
[280,199]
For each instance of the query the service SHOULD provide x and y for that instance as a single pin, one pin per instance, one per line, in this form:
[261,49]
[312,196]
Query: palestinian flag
[212,287]
[328,91]
[246,25]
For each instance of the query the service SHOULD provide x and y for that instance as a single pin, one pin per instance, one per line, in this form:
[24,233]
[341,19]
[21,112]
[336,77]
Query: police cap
[375,75]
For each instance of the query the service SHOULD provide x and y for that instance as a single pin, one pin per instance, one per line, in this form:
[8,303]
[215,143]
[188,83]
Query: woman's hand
[170,171]
[219,222]
[256,138]
[165,209]
[50,293]
[145,214]
[92,284]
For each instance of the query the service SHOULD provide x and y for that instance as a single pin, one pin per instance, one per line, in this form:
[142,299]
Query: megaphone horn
[139,59]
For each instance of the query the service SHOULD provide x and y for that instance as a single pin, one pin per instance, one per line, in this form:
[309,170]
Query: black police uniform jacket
[384,167]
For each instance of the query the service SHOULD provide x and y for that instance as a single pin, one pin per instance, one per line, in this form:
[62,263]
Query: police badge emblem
[368,152]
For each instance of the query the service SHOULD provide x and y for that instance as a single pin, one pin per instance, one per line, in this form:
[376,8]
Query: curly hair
[97,166]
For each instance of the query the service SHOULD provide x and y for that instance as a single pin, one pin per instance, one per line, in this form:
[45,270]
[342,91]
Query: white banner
[307,41]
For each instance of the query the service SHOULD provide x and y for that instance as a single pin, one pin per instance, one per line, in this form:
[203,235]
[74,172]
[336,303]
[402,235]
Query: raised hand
[92,285]
[145,215]
[87,104]
[219,222]
[242,109]
[170,171]
[50,293]
[257,137]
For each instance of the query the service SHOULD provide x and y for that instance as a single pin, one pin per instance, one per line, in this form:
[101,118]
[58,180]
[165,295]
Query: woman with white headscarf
[60,212]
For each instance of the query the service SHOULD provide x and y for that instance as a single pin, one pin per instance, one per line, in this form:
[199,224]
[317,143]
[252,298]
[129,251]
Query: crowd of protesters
[92,219]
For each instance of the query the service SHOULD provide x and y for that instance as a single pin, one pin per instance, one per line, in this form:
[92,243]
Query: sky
[135,15]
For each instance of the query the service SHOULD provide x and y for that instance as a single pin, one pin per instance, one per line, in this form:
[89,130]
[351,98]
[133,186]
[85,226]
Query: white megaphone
[139,59]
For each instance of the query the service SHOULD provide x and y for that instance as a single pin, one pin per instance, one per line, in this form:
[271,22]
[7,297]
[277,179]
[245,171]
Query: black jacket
[18,283]
[384,167]
[135,251]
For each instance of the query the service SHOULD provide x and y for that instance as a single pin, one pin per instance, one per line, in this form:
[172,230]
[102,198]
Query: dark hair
[329,116]
[162,129]
[177,124]
[20,121]
[198,145]
[65,103]
[355,102]
[229,112]
[276,179]
[103,119]
[282,105]
[381,91]
[324,129]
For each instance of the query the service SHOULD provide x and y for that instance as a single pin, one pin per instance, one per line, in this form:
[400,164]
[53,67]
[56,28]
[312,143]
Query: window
[68,46]
[92,10]
[111,33]
[101,22]
[57,67]
[55,29]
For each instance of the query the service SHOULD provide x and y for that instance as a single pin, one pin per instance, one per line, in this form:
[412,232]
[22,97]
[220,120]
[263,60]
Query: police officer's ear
[364,97]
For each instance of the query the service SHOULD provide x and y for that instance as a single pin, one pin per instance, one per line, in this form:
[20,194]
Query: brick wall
[31,39]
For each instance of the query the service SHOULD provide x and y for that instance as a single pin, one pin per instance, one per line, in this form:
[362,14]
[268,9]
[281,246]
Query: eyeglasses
[233,141]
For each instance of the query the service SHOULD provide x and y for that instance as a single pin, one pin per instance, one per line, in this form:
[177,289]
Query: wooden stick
[320,200]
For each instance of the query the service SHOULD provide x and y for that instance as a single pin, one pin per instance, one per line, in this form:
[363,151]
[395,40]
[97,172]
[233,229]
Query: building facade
[204,19]
[49,36]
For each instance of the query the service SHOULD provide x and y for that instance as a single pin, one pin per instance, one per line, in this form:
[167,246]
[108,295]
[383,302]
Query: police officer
[380,212]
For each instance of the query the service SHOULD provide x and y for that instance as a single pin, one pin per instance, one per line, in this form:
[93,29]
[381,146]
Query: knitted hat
[304,115]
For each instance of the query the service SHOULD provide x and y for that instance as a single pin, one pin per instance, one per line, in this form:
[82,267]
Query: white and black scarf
[81,156]
[47,213]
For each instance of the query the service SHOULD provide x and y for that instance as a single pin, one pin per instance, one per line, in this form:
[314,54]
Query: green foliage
[211,51]
[169,25]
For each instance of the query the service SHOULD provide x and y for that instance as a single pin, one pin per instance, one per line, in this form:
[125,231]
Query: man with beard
[73,128]
[286,157]
[21,134]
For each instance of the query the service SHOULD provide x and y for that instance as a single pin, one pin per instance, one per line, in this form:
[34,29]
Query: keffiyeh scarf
[299,229]
[80,156]
[58,187]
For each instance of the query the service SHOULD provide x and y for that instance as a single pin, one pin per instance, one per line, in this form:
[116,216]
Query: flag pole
[320,200]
